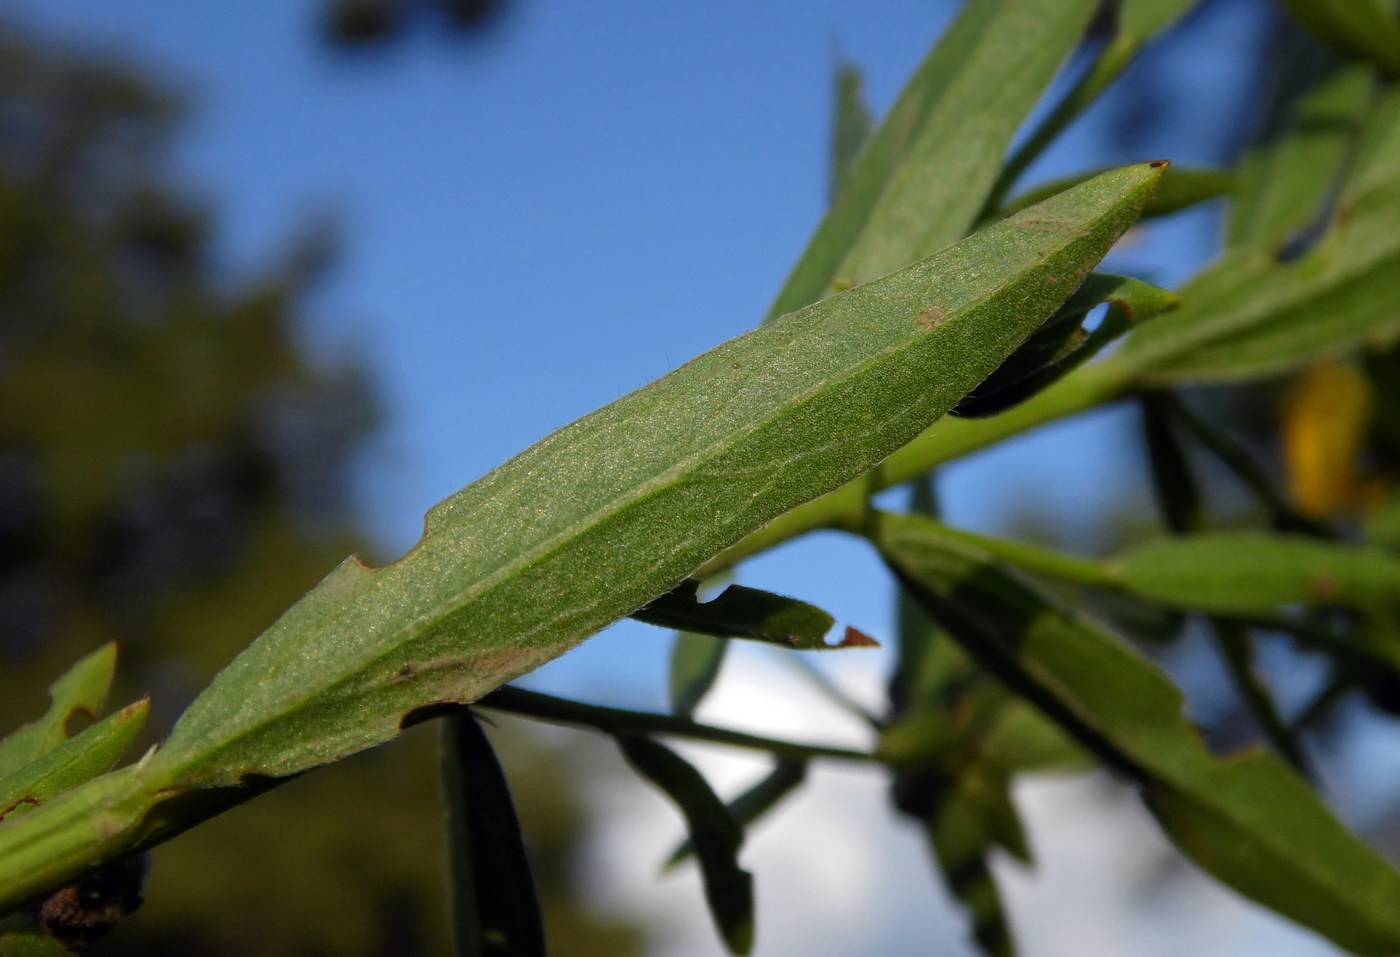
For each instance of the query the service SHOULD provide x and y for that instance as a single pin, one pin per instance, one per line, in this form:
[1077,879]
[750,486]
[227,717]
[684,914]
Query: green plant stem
[1031,558]
[1322,703]
[102,821]
[1237,651]
[545,707]
[948,439]
[1244,466]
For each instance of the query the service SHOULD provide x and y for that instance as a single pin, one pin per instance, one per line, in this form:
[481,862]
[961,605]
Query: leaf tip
[855,638]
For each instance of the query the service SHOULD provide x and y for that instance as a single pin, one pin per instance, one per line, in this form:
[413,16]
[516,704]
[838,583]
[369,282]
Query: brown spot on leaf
[1322,587]
[932,317]
[1158,164]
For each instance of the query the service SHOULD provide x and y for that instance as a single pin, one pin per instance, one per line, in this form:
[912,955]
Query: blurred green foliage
[173,474]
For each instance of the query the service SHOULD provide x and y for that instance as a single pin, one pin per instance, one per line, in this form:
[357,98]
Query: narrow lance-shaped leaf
[599,519]
[82,689]
[1250,316]
[938,702]
[1238,818]
[1253,572]
[495,912]
[923,176]
[852,125]
[740,612]
[1326,313]
[1182,188]
[1291,170]
[1061,346]
[695,663]
[958,836]
[714,833]
[605,515]
[82,757]
[1138,22]
[1367,29]
[787,775]
[1175,587]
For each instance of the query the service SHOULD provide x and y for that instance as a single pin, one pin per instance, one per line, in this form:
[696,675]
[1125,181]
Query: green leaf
[1059,347]
[740,612]
[495,912]
[1239,818]
[695,664]
[787,775]
[618,508]
[958,833]
[944,712]
[961,798]
[1383,524]
[1182,188]
[81,758]
[1140,20]
[1251,572]
[22,937]
[852,127]
[923,177]
[715,834]
[1250,316]
[81,690]
[1024,740]
[1366,29]
[1369,191]
[1290,171]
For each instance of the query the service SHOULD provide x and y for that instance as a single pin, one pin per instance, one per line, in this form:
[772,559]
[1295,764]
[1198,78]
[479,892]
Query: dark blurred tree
[355,24]
[173,474]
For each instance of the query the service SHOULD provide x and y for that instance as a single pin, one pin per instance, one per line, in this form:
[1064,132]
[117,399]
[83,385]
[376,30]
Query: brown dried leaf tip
[855,638]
